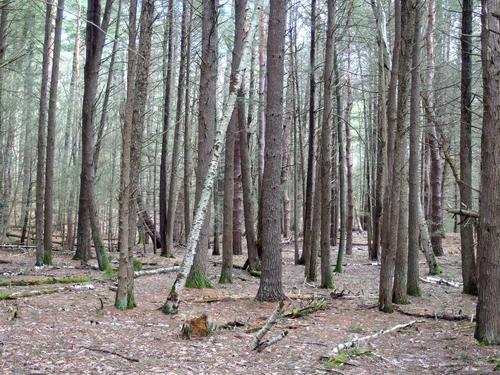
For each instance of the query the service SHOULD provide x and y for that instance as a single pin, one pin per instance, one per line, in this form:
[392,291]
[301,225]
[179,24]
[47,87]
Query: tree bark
[412,287]
[166,126]
[270,288]
[41,146]
[51,135]
[306,251]
[488,306]
[466,225]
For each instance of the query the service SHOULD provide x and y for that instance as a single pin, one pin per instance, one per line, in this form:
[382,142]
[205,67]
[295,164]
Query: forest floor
[80,332]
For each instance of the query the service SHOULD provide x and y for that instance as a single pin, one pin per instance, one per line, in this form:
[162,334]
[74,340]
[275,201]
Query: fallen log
[39,292]
[155,271]
[354,342]
[299,312]
[440,281]
[436,315]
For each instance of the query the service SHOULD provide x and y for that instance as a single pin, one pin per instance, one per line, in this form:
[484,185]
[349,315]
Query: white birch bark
[172,303]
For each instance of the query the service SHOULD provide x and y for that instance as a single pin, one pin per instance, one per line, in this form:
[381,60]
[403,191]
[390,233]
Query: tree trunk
[94,41]
[173,190]
[347,119]
[166,127]
[325,152]
[172,303]
[341,167]
[412,287]
[121,298]
[237,190]
[306,251]
[42,117]
[436,161]
[270,288]
[206,129]
[51,135]
[488,306]
[466,225]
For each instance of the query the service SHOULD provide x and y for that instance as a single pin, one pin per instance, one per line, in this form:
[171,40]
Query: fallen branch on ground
[39,292]
[439,280]
[299,312]
[155,271]
[273,318]
[354,342]
[130,359]
[436,315]
[45,280]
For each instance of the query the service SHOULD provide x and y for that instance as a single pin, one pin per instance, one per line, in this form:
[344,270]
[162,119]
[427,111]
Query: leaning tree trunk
[172,303]
[488,306]
[469,276]
[206,129]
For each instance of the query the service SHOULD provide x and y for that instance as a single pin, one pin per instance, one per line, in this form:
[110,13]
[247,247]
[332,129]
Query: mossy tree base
[198,281]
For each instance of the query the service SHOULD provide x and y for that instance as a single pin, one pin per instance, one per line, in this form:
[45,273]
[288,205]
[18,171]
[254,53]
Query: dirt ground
[80,332]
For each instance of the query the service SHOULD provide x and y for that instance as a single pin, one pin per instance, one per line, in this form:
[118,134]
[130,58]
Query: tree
[465,186]
[412,287]
[94,41]
[41,146]
[206,130]
[488,306]
[51,134]
[325,153]
[270,288]
[306,251]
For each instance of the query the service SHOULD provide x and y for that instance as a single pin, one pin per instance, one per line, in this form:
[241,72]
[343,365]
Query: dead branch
[262,345]
[130,359]
[155,271]
[299,312]
[440,281]
[436,315]
[269,324]
[39,292]
[462,212]
[354,342]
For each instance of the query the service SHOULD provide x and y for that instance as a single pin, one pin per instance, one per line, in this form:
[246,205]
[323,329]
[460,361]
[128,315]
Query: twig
[354,342]
[130,359]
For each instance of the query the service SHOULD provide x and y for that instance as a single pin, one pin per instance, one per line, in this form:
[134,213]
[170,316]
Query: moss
[496,361]
[110,272]
[137,265]
[45,280]
[338,268]
[355,328]
[328,283]
[337,361]
[343,357]
[121,305]
[415,292]
[198,281]
[225,280]
[47,259]
[4,296]
[255,273]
